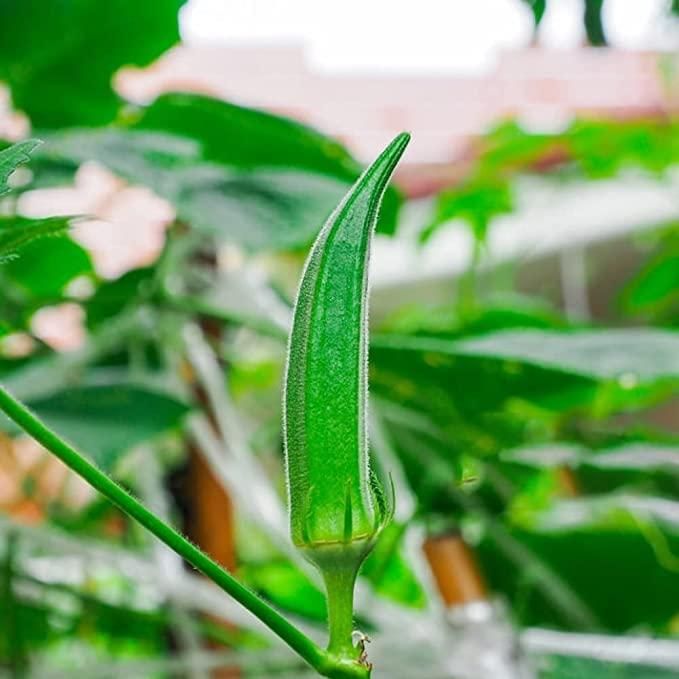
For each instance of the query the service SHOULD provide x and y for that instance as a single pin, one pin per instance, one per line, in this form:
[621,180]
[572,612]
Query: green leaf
[246,138]
[17,232]
[108,420]
[635,455]
[249,139]
[538,8]
[566,667]
[46,266]
[59,57]
[655,289]
[633,466]
[113,297]
[259,210]
[616,570]
[326,381]
[603,148]
[273,208]
[458,389]
[286,587]
[12,157]
[477,203]
[477,389]
[632,356]
[389,572]
[241,298]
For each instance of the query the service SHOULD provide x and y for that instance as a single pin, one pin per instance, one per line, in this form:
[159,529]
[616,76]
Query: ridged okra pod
[336,507]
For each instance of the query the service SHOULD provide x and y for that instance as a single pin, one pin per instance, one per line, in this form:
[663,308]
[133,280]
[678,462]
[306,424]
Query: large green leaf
[105,421]
[615,570]
[437,376]
[246,138]
[448,399]
[633,356]
[259,210]
[59,56]
[276,208]
[250,139]
[560,370]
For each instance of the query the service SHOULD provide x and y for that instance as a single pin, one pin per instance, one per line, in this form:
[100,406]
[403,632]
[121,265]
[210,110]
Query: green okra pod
[336,509]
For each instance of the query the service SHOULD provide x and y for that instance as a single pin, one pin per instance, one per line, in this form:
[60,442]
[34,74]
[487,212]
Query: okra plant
[337,507]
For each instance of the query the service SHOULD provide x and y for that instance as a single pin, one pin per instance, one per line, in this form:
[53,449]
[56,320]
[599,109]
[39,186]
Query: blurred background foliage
[548,440]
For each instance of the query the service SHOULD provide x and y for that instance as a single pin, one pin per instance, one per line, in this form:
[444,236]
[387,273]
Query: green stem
[14,640]
[339,586]
[468,282]
[298,641]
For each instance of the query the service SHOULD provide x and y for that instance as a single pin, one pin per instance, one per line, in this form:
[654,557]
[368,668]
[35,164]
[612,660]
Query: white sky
[422,36]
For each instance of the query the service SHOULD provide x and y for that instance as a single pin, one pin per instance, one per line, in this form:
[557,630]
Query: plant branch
[297,640]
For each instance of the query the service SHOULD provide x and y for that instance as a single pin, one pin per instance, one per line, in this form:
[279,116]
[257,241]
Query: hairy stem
[339,585]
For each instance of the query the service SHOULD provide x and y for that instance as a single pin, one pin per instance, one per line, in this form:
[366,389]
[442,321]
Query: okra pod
[336,508]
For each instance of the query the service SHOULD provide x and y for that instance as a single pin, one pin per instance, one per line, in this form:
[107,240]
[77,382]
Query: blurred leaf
[47,266]
[146,158]
[246,138]
[455,379]
[49,611]
[565,667]
[113,297]
[450,398]
[105,421]
[17,232]
[32,624]
[631,356]
[508,148]
[616,571]
[59,57]
[601,148]
[285,586]
[240,297]
[639,455]
[249,139]
[259,209]
[538,8]
[477,203]
[445,320]
[388,570]
[12,157]
[654,291]
[594,24]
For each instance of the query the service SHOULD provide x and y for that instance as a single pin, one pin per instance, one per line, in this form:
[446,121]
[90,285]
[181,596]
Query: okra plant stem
[339,587]
[319,659]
